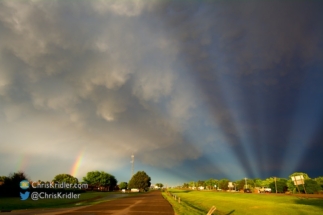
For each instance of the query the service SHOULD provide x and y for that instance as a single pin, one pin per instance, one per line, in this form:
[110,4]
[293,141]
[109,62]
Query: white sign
[230,185]
[298,180]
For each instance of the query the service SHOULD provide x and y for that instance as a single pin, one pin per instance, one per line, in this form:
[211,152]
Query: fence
[178,199]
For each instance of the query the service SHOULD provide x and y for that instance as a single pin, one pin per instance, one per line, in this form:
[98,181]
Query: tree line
[311,185]
[95,181]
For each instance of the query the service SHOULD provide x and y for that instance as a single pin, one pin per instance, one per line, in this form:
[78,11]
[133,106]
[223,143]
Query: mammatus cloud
[75,79]
[122,8]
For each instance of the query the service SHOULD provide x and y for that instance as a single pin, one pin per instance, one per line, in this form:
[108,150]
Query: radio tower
[132,164]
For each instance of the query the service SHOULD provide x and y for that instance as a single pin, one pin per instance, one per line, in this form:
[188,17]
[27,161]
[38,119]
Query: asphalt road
[145,204]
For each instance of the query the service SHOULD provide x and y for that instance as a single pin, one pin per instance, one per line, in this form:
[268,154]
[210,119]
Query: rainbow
[77,164]
[22,162]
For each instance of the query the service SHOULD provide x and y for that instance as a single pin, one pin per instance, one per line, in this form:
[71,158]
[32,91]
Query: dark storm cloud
[200,169]
[250,59]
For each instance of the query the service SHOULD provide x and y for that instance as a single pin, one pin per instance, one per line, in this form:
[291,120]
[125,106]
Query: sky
[194,89]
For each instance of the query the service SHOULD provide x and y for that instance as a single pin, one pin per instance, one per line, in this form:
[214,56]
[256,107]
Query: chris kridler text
[26,184]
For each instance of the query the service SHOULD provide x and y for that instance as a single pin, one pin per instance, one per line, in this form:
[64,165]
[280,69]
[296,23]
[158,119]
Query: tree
[312,186]
[140,180]
[240,184]
[210,183]
[3,178]
[41,182]
[223,184]
[268,181]
[250,183]
[281,185]
[258,182]
[123,185]
[192,184]
[200,183]
[100,179]
[319,180]
[185,185]
[11,184]
[69,179]
[159,185]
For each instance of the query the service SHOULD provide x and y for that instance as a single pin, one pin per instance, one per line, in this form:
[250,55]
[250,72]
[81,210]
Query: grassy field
[87,198]
[199,202]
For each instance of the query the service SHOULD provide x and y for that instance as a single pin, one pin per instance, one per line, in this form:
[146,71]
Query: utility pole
[275,184]
[303,183]
[246,185]
[132,164]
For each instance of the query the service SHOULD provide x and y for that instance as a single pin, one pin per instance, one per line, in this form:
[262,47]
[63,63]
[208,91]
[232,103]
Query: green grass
[183,207]
[199,202]
[88,198]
